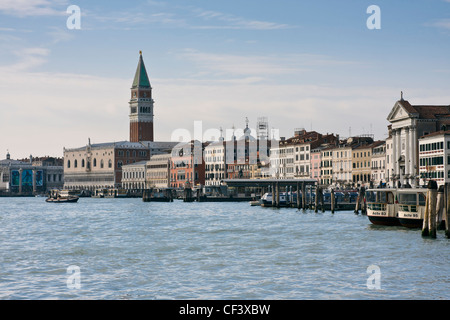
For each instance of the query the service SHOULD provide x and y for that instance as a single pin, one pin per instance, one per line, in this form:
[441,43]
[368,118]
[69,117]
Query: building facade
[187,167]
[99,166]
[408,123]
[158,171]
[434,158]
[32,176]
[134,175]
[378,166]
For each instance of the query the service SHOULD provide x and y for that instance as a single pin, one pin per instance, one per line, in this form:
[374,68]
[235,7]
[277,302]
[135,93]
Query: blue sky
[310,64]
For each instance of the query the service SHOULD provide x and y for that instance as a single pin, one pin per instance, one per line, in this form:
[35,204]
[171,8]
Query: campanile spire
[141,105]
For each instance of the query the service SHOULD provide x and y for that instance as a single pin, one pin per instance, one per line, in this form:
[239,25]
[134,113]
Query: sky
[302,64]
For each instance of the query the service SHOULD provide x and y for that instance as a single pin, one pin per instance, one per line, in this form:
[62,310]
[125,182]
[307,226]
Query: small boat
[411,207]
[63,196]
[254,203]
[382,206]
[62,200]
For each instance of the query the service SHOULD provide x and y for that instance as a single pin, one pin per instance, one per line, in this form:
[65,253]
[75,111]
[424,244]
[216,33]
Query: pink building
[316,160]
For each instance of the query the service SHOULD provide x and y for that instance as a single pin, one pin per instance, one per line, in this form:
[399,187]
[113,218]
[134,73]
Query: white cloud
[443,23]
[24,8]
[235,22]
[260,67]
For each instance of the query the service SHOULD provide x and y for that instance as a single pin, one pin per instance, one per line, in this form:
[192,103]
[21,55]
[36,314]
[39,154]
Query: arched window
[68,163]
[109,163]
[75,164]
[95,162]
[82,163]
[101,163]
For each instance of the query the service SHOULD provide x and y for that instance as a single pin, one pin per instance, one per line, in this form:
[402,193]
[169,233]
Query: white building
[215,164]
[434,158]
[378,167]
[133,176]
[409,122]
[158,171]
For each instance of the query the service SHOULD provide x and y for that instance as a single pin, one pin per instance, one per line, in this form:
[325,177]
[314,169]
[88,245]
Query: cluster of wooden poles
[302,203]
[437,205]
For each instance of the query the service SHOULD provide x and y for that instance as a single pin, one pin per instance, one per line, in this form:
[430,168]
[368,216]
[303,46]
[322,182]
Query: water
[128,249]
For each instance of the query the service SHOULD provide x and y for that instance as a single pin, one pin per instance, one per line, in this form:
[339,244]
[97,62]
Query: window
[101,163]
[68,163]
[95,162]
[82,163]
[75,163]
[109,163]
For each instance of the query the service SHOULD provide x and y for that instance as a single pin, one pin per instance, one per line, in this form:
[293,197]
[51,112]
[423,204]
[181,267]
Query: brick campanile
[141,105]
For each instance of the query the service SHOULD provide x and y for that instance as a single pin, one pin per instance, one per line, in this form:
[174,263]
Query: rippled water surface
[128,249]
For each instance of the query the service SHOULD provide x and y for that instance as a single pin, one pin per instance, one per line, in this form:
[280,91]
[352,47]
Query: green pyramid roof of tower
[141,77]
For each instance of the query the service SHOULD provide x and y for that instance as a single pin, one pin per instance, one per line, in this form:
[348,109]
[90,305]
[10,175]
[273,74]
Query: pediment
[398,112]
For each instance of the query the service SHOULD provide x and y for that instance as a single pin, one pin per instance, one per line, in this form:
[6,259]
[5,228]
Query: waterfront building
[434,158]
[99,166]
[378,169]
[362,163]
[326,168]
[247,157]
[215,164]
[343,160]
[158,171]
[316,163]
[389,173]
[30,176]
[187,167]
[292,157]
[134,175]
[408,123]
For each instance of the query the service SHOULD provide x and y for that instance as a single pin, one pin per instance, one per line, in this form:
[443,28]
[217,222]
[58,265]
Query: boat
[382,206]
[61,196]
[115,193]
[157,195]
[99,193]
[411,207]
[284,199]
[254,203]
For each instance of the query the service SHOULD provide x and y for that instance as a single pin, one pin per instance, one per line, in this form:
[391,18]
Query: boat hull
[69,200]
[384,221]
[411,223]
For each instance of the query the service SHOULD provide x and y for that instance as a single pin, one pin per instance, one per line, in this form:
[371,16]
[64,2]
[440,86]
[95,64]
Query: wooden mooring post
[303,196]
[333,201]
[298,195]
[440,208]
[447,211]
[429,219]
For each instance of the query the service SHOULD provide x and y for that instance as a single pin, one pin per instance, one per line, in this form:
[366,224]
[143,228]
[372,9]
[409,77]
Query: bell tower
[141,105]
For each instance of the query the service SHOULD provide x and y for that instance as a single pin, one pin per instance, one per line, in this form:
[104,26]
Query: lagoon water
[129,249]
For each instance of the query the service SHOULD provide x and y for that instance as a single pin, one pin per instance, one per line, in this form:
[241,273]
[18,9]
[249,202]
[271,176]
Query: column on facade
[34,180]
[394,151]
[399,152]
[20,180]
[407,151]
[414,153]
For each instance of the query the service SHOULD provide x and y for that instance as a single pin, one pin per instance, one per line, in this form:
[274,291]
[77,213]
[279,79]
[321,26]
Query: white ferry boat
[266,199]
[382,206]
[411,207]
